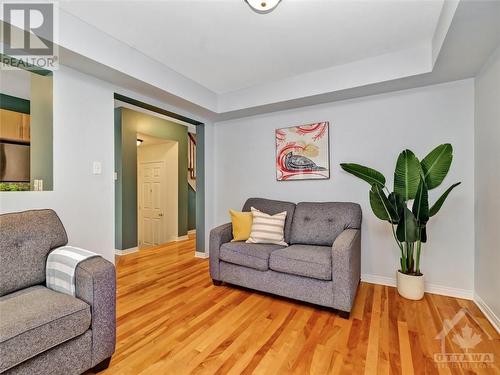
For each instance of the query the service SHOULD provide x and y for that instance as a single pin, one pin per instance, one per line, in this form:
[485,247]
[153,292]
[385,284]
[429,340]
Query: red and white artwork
[303,152]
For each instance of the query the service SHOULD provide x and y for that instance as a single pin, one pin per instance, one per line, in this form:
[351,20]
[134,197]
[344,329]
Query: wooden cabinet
[25,133]
[14,126]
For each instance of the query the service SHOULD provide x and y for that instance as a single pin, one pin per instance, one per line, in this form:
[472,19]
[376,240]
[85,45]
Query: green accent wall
[15,104]
[127,124]
[200,188]
[191,208]
[118,182]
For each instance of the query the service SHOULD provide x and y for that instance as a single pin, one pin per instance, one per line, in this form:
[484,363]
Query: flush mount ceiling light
[139,142]
[263,6]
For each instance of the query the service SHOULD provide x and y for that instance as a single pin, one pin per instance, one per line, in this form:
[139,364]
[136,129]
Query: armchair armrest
[346,268]
[96,284]
[218,236]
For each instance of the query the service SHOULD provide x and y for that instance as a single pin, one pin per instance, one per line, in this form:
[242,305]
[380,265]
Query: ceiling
[218,60]
[225,46]
[148,140]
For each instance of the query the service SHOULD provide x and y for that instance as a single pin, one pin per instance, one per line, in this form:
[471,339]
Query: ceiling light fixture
[139,142]
[263,6]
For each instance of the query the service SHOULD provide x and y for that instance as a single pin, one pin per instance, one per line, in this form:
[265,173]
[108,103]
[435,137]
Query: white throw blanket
[61,268]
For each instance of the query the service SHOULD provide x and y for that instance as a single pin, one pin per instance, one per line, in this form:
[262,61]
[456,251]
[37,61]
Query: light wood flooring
[172,320]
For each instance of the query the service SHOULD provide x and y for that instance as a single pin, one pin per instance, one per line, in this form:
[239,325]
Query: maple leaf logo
[468,339]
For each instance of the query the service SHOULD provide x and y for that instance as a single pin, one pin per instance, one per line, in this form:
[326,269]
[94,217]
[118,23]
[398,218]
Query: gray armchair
[43,331]
[322,265]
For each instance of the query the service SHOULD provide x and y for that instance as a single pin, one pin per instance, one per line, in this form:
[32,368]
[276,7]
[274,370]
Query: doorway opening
[159,195]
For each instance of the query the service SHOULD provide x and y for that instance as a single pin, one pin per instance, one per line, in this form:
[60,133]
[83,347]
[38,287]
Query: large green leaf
[436,207]
[407,230]
[365,173]
[381,206]
[421,203]
[436,164]
[407,175]
[423,234]
[397,202]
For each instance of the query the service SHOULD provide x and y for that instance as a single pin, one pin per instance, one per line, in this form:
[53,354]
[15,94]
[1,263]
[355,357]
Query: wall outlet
[37,185]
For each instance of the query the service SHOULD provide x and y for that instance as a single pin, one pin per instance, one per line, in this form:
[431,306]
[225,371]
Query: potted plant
[407,207]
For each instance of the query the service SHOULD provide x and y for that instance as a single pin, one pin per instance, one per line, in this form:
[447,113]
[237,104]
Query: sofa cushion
[273,207]
[303,260]
[36,319]
[321,223]
[25,240]
[248,254]
[267,228]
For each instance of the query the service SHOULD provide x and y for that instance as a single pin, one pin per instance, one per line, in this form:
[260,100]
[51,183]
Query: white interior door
[151,203]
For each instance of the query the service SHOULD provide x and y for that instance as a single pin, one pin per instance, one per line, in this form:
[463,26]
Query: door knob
[160,214]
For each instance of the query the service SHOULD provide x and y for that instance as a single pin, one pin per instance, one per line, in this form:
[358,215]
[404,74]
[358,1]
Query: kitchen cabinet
[14,126]
[26,127]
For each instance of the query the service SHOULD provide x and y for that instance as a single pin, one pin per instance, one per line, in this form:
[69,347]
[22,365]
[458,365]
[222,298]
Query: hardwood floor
[172,320]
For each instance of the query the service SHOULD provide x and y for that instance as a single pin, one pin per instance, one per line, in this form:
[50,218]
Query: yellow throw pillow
[242,225]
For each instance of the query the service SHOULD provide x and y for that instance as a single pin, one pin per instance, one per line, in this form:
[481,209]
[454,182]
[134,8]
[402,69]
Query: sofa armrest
[346,268]
[218,236]
[95,281]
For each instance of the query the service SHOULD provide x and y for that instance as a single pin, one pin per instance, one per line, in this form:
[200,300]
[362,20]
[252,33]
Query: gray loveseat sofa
[322,265]
[42,331]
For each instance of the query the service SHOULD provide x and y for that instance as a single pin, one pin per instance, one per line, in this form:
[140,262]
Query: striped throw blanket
[267,228]
[61,268]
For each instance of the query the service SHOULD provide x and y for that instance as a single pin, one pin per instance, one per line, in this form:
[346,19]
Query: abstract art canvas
[303,152]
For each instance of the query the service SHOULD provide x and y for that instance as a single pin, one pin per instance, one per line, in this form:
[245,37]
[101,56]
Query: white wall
[487,185]
[83,133]
[239,159]
[372,131]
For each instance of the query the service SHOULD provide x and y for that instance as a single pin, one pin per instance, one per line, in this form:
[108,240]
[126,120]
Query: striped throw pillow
[267,228]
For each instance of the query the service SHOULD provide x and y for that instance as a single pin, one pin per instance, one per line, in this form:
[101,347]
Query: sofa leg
[344,314]
[102,365]
[216,282]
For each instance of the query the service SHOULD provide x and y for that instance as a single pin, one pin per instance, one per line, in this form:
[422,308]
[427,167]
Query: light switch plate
[97,167]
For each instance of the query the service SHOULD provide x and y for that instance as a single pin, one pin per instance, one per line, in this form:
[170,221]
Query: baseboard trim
[192,231]
[429,288]
[182,238]
[376,279]
[488,312]
[199,254]
[449,291]
[126,251]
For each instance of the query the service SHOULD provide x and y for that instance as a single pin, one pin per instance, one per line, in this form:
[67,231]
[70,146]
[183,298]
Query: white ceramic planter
[410,287]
